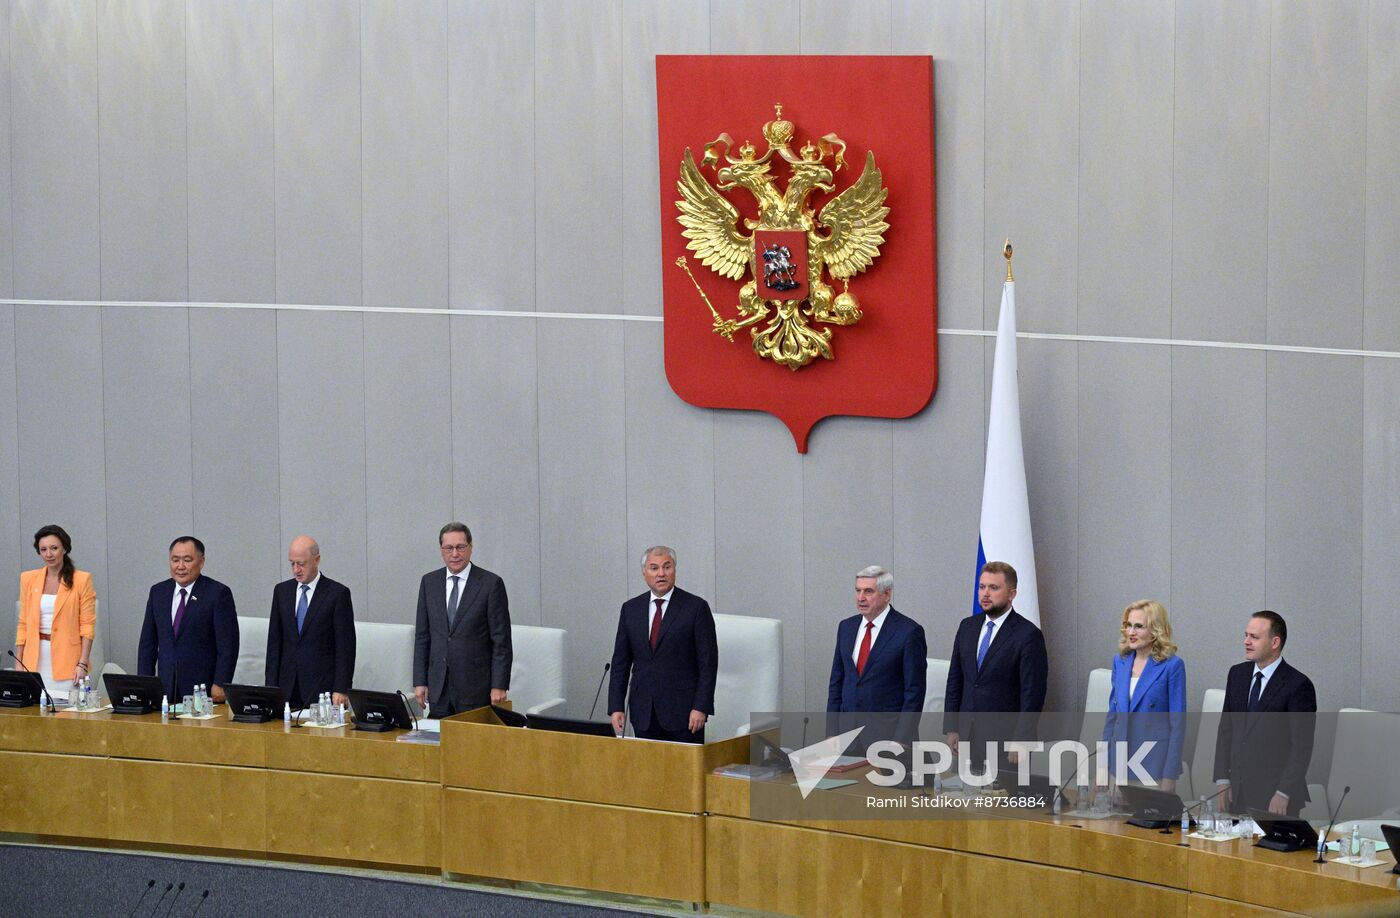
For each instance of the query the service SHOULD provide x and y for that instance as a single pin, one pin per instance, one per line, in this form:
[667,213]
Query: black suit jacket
[1269,750]
[462,660]
[206,650]
[679,676]
[1011,680]
[322,657]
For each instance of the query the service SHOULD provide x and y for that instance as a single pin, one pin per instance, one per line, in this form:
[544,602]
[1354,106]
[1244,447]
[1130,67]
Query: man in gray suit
[461,651]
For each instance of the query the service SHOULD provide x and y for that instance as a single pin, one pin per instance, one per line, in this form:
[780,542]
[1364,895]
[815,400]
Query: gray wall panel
[7,239]
[53,149]
[578,115]
[954,34]
[143,178]
[1313,540]
[670,466]
[1032,156]
[13,533]
[321,437]
[234,444]
[1125,168]
[408,457]
[754,26]
[1317,173]
[583,553]
[1382,289]
[495,453]
[1125,478]
[847,524]
[649,28]
[1217,516]
[758,521]
[1049,434]
[404,111]
[1220,186]
[491,158]
[146,403]
[229,106]
[1380,533]
[58,371]
[846,26]
[938,462]
[317,144]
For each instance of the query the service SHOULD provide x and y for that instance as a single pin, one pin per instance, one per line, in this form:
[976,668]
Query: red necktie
[656,625]
[864,649]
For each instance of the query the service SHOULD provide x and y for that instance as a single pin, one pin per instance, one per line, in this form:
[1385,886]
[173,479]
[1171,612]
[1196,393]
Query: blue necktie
[1255,690]
[986,642]
[301,609]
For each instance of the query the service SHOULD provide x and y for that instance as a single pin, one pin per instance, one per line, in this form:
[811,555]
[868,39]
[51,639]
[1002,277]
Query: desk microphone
[149,884]
[46,693]
[170,911]
[168,887]
[1322,839]
[298,714]
[409,707]
[1060,791]
[597,694]
[204,896]
[1197,804]
[805,718]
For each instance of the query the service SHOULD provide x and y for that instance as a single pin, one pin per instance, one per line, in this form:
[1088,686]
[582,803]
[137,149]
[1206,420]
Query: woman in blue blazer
[1148,699]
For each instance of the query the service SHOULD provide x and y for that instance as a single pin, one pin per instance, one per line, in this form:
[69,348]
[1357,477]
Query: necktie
[656,625]
[1255,690]
[864,649]
[301,609]
[986,642]
[180,611]
[454,598]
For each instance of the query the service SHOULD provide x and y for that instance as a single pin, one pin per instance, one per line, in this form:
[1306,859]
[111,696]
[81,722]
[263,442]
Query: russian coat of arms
[790,247]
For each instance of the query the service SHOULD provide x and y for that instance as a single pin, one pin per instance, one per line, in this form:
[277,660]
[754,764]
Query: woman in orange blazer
[57,614]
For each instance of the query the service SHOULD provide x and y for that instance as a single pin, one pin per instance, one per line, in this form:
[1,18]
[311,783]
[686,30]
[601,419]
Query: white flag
[1006,513]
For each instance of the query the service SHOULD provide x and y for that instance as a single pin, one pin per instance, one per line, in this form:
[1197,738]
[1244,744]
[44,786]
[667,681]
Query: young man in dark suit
[1264,743]
[998,669]
[190,632]
[461,650]
[666,648]
[311,631]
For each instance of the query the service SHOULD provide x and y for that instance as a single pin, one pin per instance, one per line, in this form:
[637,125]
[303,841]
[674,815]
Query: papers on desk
[1224,837]
[71,710]
[429,725]
[321,726]
[1357,861]
[829,783]
[1337,845]
[749,772]
[199,716]
[424,737]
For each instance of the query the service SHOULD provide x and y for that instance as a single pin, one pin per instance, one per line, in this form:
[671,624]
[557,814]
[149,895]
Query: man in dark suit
[998,667]
[190,632]
[311,631]
[461,647]
[666,647]
[885,669]
[1264,743]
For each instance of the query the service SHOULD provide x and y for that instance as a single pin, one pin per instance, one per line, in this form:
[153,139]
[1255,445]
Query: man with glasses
[461,650]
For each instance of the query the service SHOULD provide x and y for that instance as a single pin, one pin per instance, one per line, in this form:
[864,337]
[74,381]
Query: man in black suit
[666,647]
[311,631]
[998,667]
[461,647]
[190,632]
[1264,743]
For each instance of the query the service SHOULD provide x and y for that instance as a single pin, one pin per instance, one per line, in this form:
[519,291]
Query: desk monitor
[1284,833]
[569,725]
[19,689]
[254,704]
[133,694]
[1392,838]
[380,712]
[1152,808]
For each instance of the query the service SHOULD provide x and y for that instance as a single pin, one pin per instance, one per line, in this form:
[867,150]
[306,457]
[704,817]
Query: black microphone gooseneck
[805,718]
[170,911]
[1060,791]
[1196,805]
[409,707]
[204,896]
[156,907]
[598,694]
[149,884]
[175,687]
[45,689]
[1322,842]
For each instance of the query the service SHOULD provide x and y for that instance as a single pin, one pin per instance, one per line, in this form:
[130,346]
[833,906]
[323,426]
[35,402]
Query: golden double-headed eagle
[786,288]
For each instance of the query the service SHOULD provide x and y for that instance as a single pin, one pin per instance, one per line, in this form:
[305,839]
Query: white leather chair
[1364,754]
[1202,769]
[537,669]
[750,676]
[383,657]
[251,668]
[1095,705]
[936,686]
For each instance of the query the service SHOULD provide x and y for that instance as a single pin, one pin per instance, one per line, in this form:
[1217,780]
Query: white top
[1268,672]
[996,628]
[46,604]
[879,622]
[175,598]
[310,592]
[447,597]
[1132,686]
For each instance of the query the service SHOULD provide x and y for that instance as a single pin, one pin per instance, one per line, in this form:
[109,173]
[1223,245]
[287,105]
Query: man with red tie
[666,648]
[881,657]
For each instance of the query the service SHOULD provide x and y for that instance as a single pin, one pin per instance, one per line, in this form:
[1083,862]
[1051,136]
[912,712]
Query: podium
[617,815]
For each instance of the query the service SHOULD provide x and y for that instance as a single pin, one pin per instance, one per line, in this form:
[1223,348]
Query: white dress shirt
[879,622]
[665,604]
[189,597]
[461,586]
[996,629]
[310,592]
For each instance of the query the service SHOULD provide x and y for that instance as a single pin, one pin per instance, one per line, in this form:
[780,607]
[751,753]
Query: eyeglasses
[455,549]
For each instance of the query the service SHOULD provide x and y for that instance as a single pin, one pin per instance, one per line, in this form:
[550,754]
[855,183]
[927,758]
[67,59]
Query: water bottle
[205,708]
[321,713]
[340,715]
[286,714]
[1355,841]
[164,708]
[1185,821]
[43,703]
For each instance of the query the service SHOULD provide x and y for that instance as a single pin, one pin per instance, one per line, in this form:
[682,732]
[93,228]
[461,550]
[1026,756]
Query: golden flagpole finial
[1007,252]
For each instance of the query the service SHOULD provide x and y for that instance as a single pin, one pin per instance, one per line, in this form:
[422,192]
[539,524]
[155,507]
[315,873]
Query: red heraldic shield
[883,355]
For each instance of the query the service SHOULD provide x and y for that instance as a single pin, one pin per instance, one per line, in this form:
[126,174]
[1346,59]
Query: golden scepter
[719,323]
